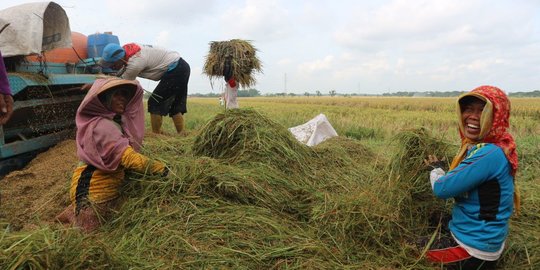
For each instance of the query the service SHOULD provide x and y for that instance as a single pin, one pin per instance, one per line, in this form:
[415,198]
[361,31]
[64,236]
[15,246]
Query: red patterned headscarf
[494,124]
[131,49]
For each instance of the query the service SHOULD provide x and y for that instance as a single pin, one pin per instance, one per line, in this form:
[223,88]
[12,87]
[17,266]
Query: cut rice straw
[243,57]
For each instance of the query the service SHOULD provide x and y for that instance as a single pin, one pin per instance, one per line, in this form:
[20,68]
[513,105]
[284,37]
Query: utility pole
[285,83]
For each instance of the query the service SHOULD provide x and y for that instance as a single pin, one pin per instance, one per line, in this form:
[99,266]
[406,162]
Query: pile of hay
[242,135]
[408,166]
[243,57]
[248,158]
[243,194]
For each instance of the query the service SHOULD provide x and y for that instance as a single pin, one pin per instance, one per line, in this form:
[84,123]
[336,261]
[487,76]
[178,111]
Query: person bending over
[157,64]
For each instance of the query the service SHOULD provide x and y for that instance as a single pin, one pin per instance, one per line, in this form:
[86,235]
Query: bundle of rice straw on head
[242,57]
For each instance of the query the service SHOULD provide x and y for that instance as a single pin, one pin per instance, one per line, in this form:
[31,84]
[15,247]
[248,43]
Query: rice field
[243,194]
[370,117]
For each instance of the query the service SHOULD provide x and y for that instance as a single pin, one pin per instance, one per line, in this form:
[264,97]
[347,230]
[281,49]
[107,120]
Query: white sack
[231,94]
[33,28]
[314,131]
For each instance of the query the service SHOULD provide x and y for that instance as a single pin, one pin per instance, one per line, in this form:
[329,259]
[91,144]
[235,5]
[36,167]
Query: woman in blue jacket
[481,181]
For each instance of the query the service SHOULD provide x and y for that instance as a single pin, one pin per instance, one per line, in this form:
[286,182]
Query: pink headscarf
[99,140]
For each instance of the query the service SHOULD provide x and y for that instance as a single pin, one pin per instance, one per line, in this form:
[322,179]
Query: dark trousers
[170,95]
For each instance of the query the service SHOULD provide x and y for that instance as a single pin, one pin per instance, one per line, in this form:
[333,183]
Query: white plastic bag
[33,28]
[314,131]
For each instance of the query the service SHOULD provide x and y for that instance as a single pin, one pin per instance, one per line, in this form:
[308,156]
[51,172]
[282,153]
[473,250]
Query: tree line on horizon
[332,93]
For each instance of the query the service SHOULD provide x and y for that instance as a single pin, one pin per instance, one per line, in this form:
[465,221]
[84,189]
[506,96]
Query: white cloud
[163,39]
[263,20]
[156,11]
[284,62]
[318,65]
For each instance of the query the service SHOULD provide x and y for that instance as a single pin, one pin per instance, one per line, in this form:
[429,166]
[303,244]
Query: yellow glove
[142,164]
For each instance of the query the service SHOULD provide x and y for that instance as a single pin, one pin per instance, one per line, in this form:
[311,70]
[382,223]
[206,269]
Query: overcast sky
[351,46]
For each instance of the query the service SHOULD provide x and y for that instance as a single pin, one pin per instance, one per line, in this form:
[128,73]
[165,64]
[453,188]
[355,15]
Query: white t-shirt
[150,62]
[482,255]
[231,93]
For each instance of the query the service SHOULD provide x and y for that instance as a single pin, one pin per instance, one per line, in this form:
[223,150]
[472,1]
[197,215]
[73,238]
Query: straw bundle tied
[243,57]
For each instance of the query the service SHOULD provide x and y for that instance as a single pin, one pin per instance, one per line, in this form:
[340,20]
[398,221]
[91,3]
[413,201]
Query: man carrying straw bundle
[235,60]
[231,87]
[481,181]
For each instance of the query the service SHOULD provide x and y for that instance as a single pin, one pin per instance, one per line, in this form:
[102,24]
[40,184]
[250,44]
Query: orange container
[65,55]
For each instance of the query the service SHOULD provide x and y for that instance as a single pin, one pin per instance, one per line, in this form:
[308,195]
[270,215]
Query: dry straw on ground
[243,194]
[34,195]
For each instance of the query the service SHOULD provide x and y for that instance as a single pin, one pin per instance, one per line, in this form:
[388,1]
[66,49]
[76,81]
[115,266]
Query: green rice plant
[361,133]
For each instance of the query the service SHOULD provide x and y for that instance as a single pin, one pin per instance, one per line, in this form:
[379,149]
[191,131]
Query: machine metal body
[46,97]
[47,64]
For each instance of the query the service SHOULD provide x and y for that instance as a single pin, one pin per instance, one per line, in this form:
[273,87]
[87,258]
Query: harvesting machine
[47,65]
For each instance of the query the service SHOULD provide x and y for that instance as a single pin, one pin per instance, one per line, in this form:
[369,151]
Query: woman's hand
[6,108]
[432,162]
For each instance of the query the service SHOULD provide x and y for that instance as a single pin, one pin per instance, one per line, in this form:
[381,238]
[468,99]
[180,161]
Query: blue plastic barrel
[96,43]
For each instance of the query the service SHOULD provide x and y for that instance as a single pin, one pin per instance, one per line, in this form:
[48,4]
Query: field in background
[374,119]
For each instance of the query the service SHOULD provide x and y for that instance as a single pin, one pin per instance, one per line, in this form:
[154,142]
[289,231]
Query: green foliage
[413,147]
[361,133]
[249,93]
[424,94]
[332,93]
[535,93]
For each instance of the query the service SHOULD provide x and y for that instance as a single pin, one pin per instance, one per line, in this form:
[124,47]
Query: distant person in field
[110,129]
[231,85]
[157,64]
[6,100]
[481,181]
